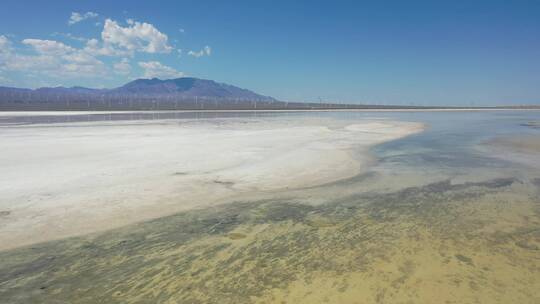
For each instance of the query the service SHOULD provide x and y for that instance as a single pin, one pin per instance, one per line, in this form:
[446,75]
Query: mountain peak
[191,92]
[188,87]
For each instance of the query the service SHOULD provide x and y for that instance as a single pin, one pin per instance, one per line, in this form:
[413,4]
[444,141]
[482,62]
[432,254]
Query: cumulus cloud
[48,47]
[5,49]
[52,58]
[122,67]
[154,69]
[97,48]
[206,51]
[78,17]
[55,59]
[82,58]
[30,64]
[142,37]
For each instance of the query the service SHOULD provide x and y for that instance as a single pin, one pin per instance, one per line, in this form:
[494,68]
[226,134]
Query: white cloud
[32,64]
[48,47]
[82,69]
[55,59]
[82,58]
[78,17]
[122,67]
[154,69]
[181,30]
[142,37]
[206,51]
[5,50]
[96,48]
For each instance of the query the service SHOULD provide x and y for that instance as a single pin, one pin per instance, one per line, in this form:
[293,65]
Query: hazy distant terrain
[185,93]
[140,94]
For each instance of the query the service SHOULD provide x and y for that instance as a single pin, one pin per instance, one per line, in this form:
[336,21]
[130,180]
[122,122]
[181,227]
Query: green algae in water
[436,243]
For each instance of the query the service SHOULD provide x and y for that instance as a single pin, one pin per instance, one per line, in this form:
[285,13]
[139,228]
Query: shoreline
[68,112]
[89,179]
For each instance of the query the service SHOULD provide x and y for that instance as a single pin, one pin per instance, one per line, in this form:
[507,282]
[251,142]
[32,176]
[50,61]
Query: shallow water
[438,219]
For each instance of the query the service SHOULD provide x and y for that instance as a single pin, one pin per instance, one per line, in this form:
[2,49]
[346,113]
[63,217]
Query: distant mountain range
[188,87]
[184,93]
[183,87]
[140,94]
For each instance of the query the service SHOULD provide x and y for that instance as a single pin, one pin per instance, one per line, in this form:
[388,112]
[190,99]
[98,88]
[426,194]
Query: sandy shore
[62,180]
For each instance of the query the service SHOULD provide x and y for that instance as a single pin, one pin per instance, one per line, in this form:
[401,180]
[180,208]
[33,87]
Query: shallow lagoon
[441,217]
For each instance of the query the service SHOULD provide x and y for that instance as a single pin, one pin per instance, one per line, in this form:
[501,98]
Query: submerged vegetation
[442,242]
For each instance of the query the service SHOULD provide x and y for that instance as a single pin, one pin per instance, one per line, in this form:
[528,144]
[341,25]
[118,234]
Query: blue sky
[385,52]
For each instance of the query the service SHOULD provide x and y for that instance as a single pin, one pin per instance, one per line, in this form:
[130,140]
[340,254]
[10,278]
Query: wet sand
[61,180]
